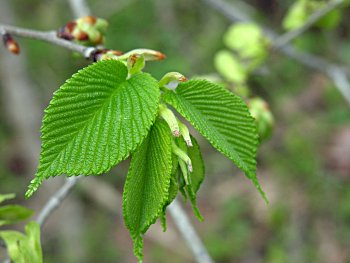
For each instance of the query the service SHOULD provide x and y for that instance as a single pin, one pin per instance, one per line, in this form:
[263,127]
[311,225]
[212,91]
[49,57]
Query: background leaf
[147,185]
[222,118]
[95,120]
[5,197]
[24,248]
[11,214]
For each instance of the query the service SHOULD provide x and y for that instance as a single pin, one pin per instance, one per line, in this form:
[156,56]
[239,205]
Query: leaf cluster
[111,110]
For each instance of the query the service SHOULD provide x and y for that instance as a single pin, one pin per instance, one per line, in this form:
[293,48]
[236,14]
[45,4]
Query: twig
[289,36]
[79,8]
[47,36]
[188,232]
[333,71]
[340,80]
[56,200]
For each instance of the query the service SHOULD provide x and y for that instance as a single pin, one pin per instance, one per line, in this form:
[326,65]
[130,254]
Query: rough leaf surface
[95,120]
[146,189]
[222,118]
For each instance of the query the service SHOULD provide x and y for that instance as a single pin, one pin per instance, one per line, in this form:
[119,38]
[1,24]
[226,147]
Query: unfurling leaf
[95,120]
[24,248]
[196,176]
[146,189]
[4,197]
[222,118]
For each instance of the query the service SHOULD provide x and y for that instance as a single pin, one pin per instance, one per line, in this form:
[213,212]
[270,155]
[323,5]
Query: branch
[79,8]
[333,71]
[47,36]
[56,200]
[289,36]
[188,232]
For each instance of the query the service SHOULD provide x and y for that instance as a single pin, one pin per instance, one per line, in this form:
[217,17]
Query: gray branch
[47,36]
[188,232]
[79,8]
[56,200]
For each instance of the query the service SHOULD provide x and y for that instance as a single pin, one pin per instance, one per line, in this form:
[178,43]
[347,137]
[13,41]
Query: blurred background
[304,166]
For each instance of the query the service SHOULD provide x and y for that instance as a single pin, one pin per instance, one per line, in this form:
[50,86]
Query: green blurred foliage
[309,212]
[24,248]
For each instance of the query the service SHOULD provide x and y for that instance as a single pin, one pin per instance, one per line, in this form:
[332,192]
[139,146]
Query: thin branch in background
[79,8]
[56,200]
[234,13]
[286,38]
[47,36]
[340,80]
[188,232]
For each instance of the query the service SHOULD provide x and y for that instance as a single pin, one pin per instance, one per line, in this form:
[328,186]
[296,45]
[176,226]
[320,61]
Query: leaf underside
[95,120]
[222,118]
[147,185]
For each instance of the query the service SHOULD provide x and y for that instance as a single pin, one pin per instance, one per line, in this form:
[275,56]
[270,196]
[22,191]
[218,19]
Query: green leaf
[11,214]
[95,120]
[221,117]
[147,184]
[196,176]
[13,240]
[297,15]
[173,189]
[33,233]
[229,66]
[24,248]
[248,40]
[5,197]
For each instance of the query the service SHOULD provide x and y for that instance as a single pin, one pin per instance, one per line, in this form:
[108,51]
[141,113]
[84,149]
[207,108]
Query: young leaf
[11,214]
[24,248]
[4,197]
[222,118]
[196,176]
[147,184]
[95,120]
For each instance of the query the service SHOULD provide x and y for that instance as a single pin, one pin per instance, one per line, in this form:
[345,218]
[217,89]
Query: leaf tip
[33,186]
[261,191]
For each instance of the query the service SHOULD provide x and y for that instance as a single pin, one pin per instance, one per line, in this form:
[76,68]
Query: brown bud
[97,53]
[115,52]
[160,56]
[10,44]
[81,36]
[66,31]
[70,26]
[91,20]
[61,33]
